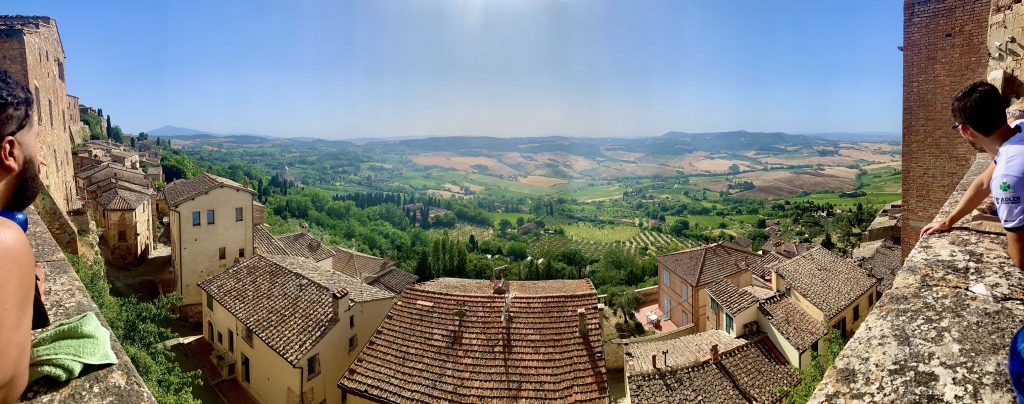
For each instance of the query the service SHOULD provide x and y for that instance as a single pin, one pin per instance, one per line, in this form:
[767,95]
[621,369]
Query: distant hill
[860,136]
[175,131]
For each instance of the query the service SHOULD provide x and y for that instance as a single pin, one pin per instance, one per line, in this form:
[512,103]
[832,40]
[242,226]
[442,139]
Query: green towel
[65,349]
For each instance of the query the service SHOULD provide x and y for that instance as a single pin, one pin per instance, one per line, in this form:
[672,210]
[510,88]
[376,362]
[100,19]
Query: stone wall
[936,336]
[944,48]
[66,297]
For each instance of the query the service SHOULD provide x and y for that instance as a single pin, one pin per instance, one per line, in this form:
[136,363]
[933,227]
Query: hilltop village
[289,318]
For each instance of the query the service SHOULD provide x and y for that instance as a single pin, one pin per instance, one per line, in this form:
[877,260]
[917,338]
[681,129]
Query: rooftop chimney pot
[714,353]
[305,228]
[582,314]
[654,361]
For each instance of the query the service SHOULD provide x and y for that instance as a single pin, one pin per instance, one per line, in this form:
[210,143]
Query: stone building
[288,328]
[125,218]
[944,49]
[828,287]
[211,228]
[31,49]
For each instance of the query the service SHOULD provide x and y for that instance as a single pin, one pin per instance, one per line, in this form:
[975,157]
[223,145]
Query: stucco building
[125,219]
[288,328]
[683,277]
[211,228]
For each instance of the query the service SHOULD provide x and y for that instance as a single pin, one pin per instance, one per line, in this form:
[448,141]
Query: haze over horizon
[534,68]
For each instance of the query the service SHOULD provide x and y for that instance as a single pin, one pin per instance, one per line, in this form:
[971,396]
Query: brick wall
[944,48]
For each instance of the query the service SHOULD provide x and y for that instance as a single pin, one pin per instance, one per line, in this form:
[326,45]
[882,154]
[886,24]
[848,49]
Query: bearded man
[19,186]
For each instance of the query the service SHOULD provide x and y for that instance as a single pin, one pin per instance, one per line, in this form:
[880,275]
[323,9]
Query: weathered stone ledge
[930,338]
[66,297]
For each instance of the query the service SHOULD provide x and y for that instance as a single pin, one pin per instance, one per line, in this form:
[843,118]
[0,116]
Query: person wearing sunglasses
[980,115]
[19,185]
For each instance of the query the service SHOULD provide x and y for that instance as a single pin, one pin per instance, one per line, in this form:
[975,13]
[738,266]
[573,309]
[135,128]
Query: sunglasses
[956,126]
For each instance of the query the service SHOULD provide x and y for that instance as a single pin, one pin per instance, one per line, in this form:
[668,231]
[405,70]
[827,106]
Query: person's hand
[41,281]
[935,227]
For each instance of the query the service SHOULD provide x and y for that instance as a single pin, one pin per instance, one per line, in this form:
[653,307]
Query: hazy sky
[344,69]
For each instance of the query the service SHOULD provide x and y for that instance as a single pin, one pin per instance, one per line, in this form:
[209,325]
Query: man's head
[19,163]
[979,110]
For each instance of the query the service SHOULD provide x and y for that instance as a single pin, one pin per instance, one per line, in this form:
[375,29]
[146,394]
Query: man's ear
[8,154]
[966,131]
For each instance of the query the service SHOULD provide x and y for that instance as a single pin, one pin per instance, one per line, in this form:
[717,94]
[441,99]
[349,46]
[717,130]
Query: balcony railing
[932,337]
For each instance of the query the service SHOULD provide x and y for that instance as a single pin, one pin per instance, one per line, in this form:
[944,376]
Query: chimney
[714,353]
[305,228]
[582,313]
[654,361]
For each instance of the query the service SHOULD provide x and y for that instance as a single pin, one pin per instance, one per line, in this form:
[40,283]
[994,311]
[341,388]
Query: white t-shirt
[1008,183]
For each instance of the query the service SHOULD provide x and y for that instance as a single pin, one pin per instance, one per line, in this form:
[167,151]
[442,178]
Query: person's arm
[17,289]
[975,195]
[1015,247]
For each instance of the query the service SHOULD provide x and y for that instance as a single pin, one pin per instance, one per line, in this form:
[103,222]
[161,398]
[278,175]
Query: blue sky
[346,69]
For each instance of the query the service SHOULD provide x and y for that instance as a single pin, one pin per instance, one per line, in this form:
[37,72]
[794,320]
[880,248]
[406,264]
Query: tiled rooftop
[355,263]
[682,351]
[880,258]
[264,242]
[525,288]
[303,245]
[288,302]
[763,267]
[122,199]
[750,373]
[449,341]
[708,264]
[733,299]
[826,280]
[182,191]
[792,321]
[392,279]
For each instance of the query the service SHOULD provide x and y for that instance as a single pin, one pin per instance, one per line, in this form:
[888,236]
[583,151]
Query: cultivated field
[781,184]
[541,181]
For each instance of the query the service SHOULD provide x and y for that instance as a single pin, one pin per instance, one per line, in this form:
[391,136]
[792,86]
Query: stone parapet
[67,297]
[932,337]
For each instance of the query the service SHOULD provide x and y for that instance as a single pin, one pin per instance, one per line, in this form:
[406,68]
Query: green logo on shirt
[1005,187]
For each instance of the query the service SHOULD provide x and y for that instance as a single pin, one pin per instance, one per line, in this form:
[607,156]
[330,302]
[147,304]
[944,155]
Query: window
[352,321]
[241,253]
[231,341]
[209,329]
[209,216]
[122,236]
[789,291]
[223,253]
[49,103]
[871,299]
[686,318]
[247,335]
[814,346]
[245,368]
[353,342]
[856,312]
[684,291]
[313,367]
[39,104]
[220,338]
[195,218]
[238,214]
[665,279]
[664,304]
[209,301]
[728,323]
[714,305]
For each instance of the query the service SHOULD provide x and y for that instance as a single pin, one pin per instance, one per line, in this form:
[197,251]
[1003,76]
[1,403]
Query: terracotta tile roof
[880,258]
[763,267]
[826,280]
[182,191]
[708,264]
[264,242]
[438,345]
[759,292]
[94,173]
[786,249]
[750,373]
[123,153]
[741,242]
[391,279]
[532,288]
[792,321]
[122,199]
[305,246]
[288,302]
[682,352]
[101,187]
[733,299]
[355,263]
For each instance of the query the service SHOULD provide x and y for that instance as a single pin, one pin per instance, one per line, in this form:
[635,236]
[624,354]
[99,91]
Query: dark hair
[15,105]
[980,106]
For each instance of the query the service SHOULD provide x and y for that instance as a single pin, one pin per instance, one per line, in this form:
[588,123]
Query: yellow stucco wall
[195,250]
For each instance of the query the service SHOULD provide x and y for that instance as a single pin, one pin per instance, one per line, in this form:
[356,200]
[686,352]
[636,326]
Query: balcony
[931,338]
[66,297]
